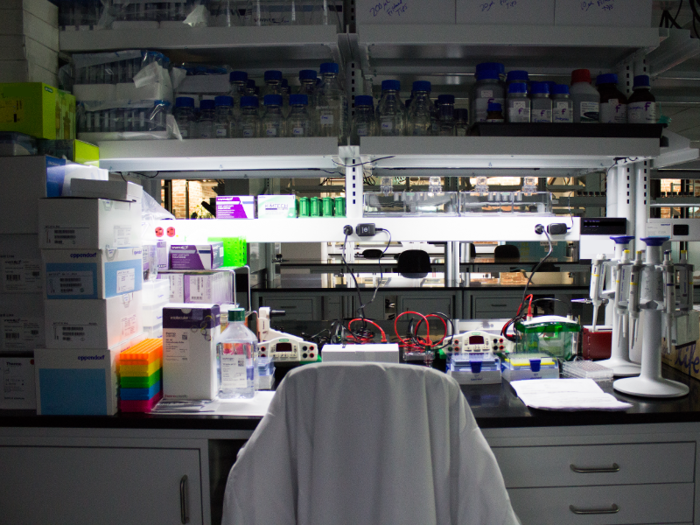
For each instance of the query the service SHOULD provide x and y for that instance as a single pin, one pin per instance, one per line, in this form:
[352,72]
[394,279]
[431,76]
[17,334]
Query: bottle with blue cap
[613,103]
[519,76]
[273,123]
[205,122]
[541,104]
[273,83]
[307,86]
[562,105]
[331,104]
[299,122]
[391,119]
[249,121]
[446,116]
[365,122]
[518,103]
[224,120]
[488,89]
[239,82]
[184,116]
[641,107]
[419,110]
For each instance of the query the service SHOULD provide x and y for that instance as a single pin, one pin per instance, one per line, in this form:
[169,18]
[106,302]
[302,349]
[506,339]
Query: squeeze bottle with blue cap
[236,357]
[273,123]
[391,118]
[518,103]
[562,105]
[299,122]
[613,104]
[249,121]
[419,110]
[365,123]
[541,103]
[184,116]
[488,89]
[585,97]
[331,104]
[641,107]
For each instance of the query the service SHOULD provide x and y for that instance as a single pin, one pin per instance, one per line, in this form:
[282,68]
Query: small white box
[155,91]
[26,180]
[17,385]
[21,322]
[190,335]
[378,353]
[95,92]
[92,274]
[93,323]
[177,286]
[21,22]
[20,264]
[20,47]
[118,190]
[405,12]
[88,224]
[25,71]
[603,13]
[505,12]
[213,84]
[215,288]
[277,207]
[42,9]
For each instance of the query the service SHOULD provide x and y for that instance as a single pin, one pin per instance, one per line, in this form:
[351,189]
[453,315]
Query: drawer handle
[499,305]
[615,468]
[612,510]
[184,498]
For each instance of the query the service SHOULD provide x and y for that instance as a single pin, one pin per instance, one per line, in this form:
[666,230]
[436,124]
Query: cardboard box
[405,12]
[379,353]
[215,288]
[17,384]
[190,335]
[88,224]
[606,13]
[26,180]
[505,12]
[23,22]
[177,286]
[235,207]
[213,84]
[13,71]
[277,207]
[65,111]
[42,9]
[73,150]
[92,274]
[20,265]
[20,47]
[95,92]
[92,323]
[21,322]
[196,256]
[30,108]
[114,189]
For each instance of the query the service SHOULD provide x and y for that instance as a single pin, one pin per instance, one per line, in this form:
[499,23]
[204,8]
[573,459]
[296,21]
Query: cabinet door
[65,485]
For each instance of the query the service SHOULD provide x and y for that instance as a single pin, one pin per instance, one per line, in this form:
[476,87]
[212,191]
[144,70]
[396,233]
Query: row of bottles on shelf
[88,14]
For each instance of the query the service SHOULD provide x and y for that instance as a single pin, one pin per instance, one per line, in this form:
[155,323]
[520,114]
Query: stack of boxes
[140,371]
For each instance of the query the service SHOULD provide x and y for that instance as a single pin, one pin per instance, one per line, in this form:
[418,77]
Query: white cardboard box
[606,13]
[177,286]
[42,9]
[88,224]
[26,180]
[214,84]
[17,385]
[95,92]
[106,189]
[405,12]
[20,47]
[92,323]
[190,335]
[378,353]
[21,322]
[505,12]
[20,264]
[21,22]
[25,71]
[92,274]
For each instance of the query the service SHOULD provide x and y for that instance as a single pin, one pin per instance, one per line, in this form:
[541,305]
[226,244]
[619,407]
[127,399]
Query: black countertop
[494,406]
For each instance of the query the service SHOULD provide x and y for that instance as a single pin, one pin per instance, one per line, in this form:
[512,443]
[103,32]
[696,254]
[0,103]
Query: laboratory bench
[639,466]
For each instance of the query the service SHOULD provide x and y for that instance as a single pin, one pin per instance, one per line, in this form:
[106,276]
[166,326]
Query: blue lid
[551,85]
[421,85]
[446,99]
[391,85]
[307,74]
[298,100]
[535,364]
[561,89]
[184,102]
[517,87]
[329,67]
[641,81]
[364,100]
[488,74]
[495,106]
[539,87]
[655,241]
[517,76]
[238,76]
[207,104]
[490,66]
[622,239]
[249,102]
[223,100]
[273,75]
[608,78]
[272,100]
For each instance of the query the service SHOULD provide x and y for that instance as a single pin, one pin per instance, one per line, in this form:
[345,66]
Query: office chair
[367,444]
[506,253]
[413,264]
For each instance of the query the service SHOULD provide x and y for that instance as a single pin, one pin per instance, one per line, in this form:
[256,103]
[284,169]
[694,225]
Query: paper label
[248,132]
[122,236]
[70,283]
[18,333]
[200,291]
[642,113]
[126,280]
[67,235]
[129,325]
[363,130]
[326,120]
[297,132]
[387,125]
[11,110]
[519,111]
[21,275]
[562,113]
[176,348]
[611,112]
[233,366]
[542,115]
[271,131]
[221,132]
[74,333]
[486,93]
[589,111]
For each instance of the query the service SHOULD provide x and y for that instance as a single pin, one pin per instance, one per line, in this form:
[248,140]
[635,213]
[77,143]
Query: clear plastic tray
[505,202]
[412,203]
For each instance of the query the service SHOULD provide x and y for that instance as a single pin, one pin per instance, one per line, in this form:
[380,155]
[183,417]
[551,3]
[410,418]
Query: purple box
[196,256]
[235,207]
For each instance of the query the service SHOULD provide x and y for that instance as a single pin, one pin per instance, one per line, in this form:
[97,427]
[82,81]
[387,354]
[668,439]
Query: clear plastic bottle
[205,122]
[613,103]
[461,122]
[446,116]
[419,109]
[273,124]
[518,103]
[585,97]
[331,104]
[391,119]
[488,89]
[249,121]
[641,106]
[562,105]
[239,82]
[365,122]
[299,122]
[236,358]
[184,116]
[541,104]
[224,121]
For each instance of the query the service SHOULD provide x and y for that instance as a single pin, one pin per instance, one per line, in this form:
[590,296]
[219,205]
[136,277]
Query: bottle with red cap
[585,97]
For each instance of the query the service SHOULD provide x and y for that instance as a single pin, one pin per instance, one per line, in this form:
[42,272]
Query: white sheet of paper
[566,394]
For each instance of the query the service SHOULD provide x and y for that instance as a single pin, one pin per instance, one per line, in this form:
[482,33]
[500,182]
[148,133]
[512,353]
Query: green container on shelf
[549,334]
[235,250]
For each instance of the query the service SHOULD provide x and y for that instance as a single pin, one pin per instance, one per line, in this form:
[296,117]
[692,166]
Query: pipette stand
[650,383]
[619,361]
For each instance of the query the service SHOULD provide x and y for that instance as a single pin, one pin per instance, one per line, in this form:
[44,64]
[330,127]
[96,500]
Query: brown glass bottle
[613,103]
[641,106]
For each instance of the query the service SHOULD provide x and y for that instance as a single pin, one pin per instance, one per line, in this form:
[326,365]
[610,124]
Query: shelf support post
[611,192]
[350,157]
[641,202]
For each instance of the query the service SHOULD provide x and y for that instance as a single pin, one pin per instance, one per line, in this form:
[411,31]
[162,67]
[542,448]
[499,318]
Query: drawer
[295,308]
[505,307]
[638,463]
[636,504]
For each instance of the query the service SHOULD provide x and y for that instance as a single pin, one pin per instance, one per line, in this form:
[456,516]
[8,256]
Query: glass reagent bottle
[237,355]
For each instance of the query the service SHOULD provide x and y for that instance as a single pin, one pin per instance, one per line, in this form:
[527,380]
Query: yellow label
[11,110]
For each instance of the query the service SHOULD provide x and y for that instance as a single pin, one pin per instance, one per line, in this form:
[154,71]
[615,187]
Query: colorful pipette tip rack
[140,376]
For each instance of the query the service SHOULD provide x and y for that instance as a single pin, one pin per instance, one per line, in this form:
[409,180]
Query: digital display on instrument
[283,347]
[476,340]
